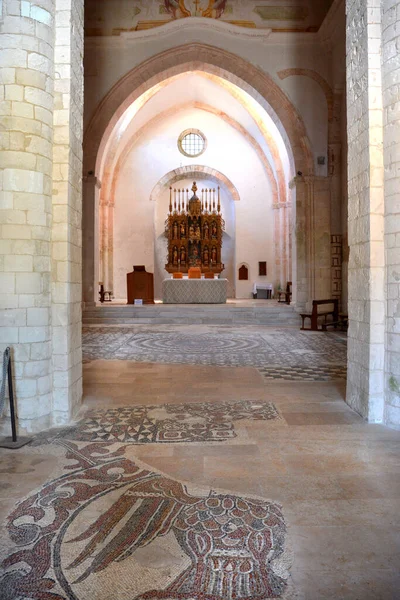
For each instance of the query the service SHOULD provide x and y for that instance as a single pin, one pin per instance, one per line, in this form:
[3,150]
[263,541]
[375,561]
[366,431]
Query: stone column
[110,243]
[26,131]
[106,226]
[90,224]
[366,306]
[321,235]
[299,195]
[277,244]
[391,141]
[67,210]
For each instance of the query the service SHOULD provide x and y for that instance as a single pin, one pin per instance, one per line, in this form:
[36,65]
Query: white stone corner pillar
[67,211]
[26,131]
[90,224]
[366,307]
[391,142]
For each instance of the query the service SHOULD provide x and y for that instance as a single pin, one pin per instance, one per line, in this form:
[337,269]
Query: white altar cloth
[194,291]
[263,286]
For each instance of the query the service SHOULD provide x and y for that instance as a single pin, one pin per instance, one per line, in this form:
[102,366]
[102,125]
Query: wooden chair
[286,296]
[318,314]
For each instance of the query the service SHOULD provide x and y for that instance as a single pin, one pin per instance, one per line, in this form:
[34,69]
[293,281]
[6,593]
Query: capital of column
[92,180]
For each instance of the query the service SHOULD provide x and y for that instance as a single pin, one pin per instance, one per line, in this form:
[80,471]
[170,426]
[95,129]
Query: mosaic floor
[200,422]
[288,354]
[77,538]
[298,501]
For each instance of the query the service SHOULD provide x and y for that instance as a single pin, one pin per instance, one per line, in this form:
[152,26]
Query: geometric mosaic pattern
[304,373]
[77,538]
[196,422]
[279,354]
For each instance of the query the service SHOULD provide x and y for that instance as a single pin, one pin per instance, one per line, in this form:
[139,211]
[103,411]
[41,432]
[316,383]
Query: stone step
[271,315]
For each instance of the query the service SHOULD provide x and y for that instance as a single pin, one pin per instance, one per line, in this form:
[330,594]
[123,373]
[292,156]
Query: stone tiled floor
[336,477]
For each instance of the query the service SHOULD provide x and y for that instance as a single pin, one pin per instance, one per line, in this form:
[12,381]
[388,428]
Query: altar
[194,291]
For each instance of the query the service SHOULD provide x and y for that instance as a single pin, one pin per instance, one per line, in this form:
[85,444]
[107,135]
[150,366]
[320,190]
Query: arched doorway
[121,100]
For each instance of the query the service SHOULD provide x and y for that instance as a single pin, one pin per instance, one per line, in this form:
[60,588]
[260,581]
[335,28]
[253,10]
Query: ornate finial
[194,187]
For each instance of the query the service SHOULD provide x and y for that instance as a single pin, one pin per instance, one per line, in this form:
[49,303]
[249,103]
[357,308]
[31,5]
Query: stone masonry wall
[67,210]
[40,199]
[391,140]
[26,131]
[365,388]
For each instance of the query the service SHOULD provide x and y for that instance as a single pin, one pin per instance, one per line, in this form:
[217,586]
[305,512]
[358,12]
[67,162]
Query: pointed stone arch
[194,172]
[201,57]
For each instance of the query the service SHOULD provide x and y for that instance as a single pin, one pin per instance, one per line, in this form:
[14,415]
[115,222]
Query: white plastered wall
[154,155]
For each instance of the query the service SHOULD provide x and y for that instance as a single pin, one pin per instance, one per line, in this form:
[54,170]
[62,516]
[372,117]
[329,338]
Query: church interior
[199,299]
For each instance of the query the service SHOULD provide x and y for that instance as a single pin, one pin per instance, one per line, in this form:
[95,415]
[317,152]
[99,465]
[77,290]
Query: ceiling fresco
[113,17]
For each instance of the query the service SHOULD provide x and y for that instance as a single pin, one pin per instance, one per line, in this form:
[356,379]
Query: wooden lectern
[140,285]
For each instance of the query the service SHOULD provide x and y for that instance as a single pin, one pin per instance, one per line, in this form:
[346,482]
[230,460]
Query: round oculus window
[192,142]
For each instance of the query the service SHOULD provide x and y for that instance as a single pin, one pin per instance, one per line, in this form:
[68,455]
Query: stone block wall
[373,78]
[366,303]
[391,145]
[29,112]
[26,133]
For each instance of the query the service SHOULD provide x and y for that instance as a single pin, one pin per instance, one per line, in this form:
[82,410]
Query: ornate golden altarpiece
[194,229]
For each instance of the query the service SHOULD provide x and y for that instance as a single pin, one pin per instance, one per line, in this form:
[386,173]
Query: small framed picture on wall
[262,268]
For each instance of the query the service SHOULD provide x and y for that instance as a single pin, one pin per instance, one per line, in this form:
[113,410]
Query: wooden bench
[317,313]
[342,322]
[287,294]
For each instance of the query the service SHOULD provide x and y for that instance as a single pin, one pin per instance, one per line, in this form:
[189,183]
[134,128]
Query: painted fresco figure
[214,9]
[177,8]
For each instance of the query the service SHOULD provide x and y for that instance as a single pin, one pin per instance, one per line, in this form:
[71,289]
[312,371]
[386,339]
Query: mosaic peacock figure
[231,541]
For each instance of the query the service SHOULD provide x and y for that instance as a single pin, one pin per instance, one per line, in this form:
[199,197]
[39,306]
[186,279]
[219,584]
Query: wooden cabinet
[140,285]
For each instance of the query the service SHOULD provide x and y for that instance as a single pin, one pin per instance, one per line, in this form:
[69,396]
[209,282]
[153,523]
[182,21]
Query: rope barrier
[6,362]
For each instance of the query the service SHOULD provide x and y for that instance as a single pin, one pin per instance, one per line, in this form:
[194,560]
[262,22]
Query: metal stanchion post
[12,443]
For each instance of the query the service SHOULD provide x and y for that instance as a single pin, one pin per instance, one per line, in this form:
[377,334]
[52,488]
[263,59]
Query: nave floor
[304,487]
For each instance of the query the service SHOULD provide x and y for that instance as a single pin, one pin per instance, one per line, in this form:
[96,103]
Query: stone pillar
[335,174]
[312,238]
[110,242]
[26,131]
[336,273]
[277,244]
[366,306]
[299,195]
[106,268]
[321,236]
[67,211]
[90,224]
[391,141]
